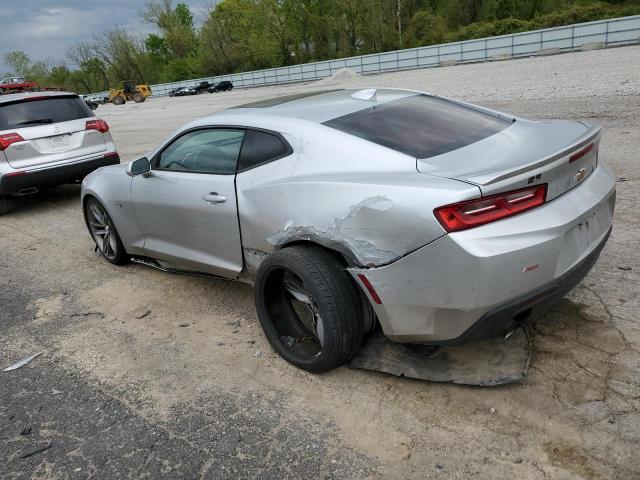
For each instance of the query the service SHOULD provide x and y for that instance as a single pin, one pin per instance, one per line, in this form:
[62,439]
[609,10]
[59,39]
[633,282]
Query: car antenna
[368,94]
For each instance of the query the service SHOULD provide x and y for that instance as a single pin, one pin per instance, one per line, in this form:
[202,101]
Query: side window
[260,147]
[203,151]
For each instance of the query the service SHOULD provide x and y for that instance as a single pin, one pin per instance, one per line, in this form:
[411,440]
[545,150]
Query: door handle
[213,197]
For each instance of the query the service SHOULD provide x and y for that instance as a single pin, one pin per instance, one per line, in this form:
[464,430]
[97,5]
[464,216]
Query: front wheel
[309,308]
[104,233]
[4,205]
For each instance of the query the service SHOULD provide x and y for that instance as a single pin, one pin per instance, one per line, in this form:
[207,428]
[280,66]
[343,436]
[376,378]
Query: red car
[17,83]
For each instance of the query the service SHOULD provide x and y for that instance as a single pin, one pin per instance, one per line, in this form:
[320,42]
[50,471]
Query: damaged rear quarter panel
[366,201]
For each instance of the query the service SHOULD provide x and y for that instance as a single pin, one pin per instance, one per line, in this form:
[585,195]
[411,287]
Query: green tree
[18,61]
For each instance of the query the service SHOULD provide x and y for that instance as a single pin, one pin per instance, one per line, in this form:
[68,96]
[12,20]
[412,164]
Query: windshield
[27,113]
[421,126]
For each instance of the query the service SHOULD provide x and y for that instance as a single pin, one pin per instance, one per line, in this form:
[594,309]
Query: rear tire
[118,100]
[138,97]
[4,205]
[309,308]
[104,232]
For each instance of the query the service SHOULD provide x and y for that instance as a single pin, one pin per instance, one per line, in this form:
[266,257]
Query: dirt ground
[151,375]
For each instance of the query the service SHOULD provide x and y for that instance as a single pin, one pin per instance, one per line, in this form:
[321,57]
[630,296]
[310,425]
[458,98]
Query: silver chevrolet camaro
[350,210]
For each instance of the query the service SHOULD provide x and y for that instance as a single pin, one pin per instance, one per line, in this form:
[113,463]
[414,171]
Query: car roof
[12,97]
[314,106]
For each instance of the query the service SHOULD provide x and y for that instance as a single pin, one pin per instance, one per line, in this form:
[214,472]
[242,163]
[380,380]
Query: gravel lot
[151,375]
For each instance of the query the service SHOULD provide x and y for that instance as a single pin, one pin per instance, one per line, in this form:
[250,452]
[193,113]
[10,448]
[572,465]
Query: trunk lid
[60,136]
[559,153]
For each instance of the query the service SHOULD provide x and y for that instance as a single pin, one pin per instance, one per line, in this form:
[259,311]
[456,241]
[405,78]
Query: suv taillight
[473,213]
[7,139]
[97,124]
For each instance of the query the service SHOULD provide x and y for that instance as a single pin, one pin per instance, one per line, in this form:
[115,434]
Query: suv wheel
[104,232]
[4,205]
[309,308]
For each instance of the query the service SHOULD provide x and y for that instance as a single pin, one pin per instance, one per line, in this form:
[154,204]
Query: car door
[186,206]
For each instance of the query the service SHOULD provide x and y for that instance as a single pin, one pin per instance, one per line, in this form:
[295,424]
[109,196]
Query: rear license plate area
[581,239]
[59,142]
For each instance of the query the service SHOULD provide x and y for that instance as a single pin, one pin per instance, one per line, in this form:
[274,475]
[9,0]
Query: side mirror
[139,166]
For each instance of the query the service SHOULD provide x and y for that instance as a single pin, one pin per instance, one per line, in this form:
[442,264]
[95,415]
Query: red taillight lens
[7,139]
[97,124]
[473,213]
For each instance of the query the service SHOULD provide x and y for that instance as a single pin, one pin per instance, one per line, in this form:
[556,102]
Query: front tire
[104,232]
[4,205]
[309,308]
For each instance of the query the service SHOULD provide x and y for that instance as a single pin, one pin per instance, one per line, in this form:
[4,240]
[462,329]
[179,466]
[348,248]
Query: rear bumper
[508,316]
[472,284]
[13,183]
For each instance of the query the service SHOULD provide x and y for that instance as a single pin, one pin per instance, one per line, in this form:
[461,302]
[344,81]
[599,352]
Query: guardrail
[582,36]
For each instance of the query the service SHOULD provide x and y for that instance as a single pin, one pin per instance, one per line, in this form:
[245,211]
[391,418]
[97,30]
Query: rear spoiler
[592,135]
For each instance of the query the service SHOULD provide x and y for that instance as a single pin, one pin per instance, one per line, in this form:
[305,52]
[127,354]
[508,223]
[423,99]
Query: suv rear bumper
[14,183]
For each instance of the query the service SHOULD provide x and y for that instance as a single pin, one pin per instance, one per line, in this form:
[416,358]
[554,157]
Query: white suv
[47,139]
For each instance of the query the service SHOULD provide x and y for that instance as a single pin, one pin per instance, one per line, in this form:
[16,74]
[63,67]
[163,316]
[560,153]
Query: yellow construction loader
[129,91]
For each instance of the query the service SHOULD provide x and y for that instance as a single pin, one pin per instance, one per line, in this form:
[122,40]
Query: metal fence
[581,36]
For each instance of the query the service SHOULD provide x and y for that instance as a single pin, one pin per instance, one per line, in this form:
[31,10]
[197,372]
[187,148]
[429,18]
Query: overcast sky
[45,28]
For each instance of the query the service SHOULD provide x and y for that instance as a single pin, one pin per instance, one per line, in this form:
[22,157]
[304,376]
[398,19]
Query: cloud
[45,29]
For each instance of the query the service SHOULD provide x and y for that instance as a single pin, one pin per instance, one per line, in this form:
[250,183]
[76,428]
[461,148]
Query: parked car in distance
[99,98]
[185,91]
[172,93]
[91,104]
[47,139]
[223,86]
[10,84]
[202,86]
[437,220]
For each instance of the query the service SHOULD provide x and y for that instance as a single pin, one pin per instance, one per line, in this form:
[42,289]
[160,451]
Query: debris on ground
[41,449]
[487,363]
[22,362]
[622,179]
[184,325]
[146,313]
[257,354]
[626,269]
[25,430]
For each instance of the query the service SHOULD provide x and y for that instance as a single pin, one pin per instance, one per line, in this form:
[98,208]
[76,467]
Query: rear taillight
[7,139]
[473,213]
[97,124]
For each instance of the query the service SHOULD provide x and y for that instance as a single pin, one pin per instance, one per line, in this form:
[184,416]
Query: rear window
[420,125]
[45,110]
[261,147]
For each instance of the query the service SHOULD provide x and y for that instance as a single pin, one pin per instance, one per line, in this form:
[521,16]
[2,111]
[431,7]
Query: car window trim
[156,158]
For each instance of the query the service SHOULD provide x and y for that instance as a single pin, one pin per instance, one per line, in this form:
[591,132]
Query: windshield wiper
[36,121]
